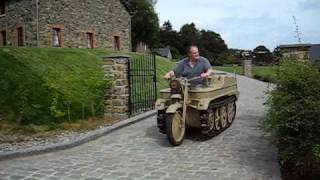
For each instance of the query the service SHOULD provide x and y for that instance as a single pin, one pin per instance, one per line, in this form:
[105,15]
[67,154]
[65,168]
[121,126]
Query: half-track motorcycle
[211,108]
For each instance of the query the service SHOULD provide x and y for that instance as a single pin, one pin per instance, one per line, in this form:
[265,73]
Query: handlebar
[198,77]
[194,78]
[181,78]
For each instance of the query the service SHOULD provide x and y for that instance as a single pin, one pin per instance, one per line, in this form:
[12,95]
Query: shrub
[49,86]
[293,116]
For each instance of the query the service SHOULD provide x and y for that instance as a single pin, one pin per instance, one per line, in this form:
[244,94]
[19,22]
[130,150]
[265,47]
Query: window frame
[116,43]
[2,8]
[4,37]
[90,34]
[20,36]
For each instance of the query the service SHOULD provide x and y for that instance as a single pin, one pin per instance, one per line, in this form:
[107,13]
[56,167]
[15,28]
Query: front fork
[184,107]
[162,114]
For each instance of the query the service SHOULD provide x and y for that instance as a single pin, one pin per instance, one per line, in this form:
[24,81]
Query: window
[56,37]
[89,40]
[117,43]
[20,36]
[2,8]
[4,38]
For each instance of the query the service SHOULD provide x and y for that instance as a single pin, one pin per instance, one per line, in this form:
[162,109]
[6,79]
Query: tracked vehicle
[211,108]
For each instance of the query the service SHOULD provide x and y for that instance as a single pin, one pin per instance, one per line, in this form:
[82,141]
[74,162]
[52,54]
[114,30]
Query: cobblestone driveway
[140,152]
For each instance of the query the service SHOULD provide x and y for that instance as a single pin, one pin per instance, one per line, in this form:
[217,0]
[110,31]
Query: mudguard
[173,107]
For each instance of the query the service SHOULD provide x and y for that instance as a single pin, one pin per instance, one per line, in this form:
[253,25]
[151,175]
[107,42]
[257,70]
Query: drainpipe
[37,19]
[130,34]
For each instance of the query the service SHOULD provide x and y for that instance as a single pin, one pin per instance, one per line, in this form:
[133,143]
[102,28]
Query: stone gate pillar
[247,67]
[116,99]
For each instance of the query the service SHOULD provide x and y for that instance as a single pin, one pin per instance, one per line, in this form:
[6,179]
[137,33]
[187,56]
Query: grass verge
[263,73]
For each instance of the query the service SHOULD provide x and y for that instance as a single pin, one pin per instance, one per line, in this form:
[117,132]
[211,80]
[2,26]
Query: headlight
[175,86]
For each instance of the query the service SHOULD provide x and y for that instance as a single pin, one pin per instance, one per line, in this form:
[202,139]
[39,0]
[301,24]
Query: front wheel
[175,128]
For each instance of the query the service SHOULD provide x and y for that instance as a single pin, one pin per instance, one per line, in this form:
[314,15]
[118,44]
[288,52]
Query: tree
[170,37]
[189,35]
[167,27]
[263,56]
[144,23]
[211,45]
[153,2]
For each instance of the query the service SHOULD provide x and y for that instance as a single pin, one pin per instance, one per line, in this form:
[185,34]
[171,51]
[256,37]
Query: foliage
[226,58]
[144,23]
[189,35]
[294,113]
[210,43]
[49,86]
[263,56]
[212,46]
[171,38]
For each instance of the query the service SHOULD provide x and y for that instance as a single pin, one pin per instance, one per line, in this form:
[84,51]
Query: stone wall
[103,18]
[117,98]
[19,14]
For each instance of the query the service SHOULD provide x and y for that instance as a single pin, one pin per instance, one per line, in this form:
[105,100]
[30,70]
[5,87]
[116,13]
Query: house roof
[315,52]
[163,51]
[295,45]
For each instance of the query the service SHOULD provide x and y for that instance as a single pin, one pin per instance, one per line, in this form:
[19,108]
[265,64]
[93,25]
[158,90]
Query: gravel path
[139,152]
[30,143]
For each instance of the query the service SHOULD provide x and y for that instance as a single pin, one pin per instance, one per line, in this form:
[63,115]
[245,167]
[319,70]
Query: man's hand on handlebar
[168,75]
[204,75]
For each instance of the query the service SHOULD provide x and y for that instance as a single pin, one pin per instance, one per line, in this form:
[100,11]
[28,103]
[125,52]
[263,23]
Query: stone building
[65,23]
[295,51]
[164,52]
[302,52]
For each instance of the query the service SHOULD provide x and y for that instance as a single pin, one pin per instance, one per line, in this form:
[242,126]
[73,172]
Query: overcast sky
[247,23]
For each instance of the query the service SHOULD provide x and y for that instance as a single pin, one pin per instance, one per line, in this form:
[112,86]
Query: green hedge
[49,86]
[294,116]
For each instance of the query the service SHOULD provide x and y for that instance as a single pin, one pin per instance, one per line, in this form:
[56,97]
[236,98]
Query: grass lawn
[264,73]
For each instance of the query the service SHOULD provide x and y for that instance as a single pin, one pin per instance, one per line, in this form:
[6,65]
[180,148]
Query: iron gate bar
[129,86]
[142,83]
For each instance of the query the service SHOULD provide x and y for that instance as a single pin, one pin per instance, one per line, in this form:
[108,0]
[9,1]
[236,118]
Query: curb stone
[84,139]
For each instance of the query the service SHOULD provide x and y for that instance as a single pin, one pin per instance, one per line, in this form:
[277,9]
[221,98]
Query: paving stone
[15,177]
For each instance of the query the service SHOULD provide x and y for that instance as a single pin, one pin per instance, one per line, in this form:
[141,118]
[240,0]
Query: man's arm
[207,74]
[177,71]
[208,68]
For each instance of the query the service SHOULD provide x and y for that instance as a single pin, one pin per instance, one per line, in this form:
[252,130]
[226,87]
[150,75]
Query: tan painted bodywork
[199,98]
[173,107]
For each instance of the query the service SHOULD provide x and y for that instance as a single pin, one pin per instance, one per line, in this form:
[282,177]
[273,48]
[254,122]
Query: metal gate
[142,83]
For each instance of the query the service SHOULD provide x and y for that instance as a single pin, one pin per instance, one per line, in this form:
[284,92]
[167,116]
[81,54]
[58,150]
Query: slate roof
[163,51]
[294,45]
